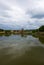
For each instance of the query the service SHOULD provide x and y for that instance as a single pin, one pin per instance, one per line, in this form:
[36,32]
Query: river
[21,50]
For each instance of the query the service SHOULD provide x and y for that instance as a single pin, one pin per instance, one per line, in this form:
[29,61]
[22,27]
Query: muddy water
[21,50]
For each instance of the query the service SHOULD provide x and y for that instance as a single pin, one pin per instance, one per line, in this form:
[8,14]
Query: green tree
[1,30]
[41,28]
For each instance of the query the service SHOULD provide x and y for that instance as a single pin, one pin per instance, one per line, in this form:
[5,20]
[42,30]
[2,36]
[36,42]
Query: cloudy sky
[17,14]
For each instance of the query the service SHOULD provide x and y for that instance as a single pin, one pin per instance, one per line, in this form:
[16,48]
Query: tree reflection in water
[41,39]
[21,50]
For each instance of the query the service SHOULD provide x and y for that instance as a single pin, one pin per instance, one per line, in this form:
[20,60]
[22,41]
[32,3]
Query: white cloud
[23,13]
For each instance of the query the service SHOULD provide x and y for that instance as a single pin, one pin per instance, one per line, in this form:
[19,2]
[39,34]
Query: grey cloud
[4,14]
[4,7]
[29,9]
[35,14]
[3,10]
[22,1]
[39,16]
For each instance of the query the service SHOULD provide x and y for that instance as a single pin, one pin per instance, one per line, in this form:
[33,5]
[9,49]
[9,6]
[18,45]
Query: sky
[18,14]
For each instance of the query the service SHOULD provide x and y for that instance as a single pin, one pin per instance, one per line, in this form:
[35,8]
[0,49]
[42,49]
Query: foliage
[7,31]
[41,28]
[1,30]
[36,30]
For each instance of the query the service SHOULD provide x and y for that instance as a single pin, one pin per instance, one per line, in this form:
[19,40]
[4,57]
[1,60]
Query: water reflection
[41,39]
[1,34]
[36,36]
[21,50]
[7,35]
[22,35]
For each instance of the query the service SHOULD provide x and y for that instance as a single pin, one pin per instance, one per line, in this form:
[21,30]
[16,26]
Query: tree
[41,28]
[1,30]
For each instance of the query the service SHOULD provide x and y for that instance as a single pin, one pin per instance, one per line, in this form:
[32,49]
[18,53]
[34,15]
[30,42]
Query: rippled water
[21,50]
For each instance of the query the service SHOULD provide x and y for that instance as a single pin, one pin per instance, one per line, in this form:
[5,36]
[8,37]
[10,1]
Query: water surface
[21,50]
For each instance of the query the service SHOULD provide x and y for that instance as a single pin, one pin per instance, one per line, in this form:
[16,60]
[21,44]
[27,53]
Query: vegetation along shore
[39,31]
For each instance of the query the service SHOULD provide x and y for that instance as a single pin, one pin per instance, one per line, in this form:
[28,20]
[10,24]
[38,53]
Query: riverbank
[22,33]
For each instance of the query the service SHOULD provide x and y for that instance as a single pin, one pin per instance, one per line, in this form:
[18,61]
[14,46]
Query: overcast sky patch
[17,14]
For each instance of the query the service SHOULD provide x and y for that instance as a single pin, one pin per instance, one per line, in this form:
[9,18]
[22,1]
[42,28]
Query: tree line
[41,29]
